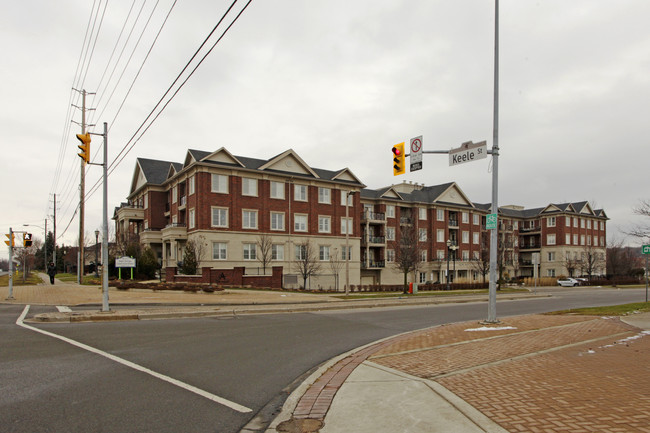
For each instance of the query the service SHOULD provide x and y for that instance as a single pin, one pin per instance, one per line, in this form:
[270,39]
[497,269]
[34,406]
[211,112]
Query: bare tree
[336,265]
[641,230]
[307,263]
[265,245]
[407,252]
[592,260]
[572,264]
[482,263]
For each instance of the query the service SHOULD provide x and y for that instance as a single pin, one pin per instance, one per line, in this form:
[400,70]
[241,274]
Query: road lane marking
[185,386]
[63,309]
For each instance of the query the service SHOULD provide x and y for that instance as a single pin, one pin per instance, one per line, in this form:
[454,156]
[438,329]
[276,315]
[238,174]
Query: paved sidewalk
[537,373]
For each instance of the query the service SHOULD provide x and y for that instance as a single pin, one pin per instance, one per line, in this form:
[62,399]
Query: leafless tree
[407,252]
[592,261]
[306,263]
[336,265]
[265,245]
[572,263]
[641,230]
[482,263]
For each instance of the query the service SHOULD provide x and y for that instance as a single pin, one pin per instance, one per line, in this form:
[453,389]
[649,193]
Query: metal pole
[105,306]
[448,249]
[347,244]
[82,193]
[11,265]
[492,302]
[646,278]
[45,248]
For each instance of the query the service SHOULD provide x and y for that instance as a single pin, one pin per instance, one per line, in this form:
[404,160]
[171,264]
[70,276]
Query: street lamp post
[347,242]
[96,255]
[448,250]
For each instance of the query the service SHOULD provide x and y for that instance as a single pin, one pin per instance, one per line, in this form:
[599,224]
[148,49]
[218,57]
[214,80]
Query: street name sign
[416,153]
[468,152]
[646,249]
[491,221]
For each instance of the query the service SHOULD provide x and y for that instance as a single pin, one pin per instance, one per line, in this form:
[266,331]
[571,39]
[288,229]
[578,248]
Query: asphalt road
[48,385]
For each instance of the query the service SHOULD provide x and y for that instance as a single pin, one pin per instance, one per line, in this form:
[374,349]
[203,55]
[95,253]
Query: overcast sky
[339,82]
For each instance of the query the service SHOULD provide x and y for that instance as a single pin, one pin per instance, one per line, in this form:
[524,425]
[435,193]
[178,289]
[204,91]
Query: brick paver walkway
[550,374]
[569,374]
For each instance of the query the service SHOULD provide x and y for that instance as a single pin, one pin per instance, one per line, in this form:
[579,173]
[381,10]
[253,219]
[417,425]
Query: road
[252,361]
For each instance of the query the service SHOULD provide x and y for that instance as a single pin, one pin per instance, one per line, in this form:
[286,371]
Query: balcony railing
[375,239]
[374,216]
[373,264]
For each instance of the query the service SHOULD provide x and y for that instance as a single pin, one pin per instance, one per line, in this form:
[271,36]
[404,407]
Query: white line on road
[63,309]
[202,393]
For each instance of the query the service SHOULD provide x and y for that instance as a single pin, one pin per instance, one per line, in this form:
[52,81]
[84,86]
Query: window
[575,221]
[250,251]
[190,218]
[277,190]
[301,252]
[277,221]
[249,186]
[588,224]
[346,228]
[567,221]
[515,225]
[146,201]
[465,255]
[249,219]
[475,238]
[277,252]
[300,192]
[440,254]
[324,195]
[300,223]
[349,196]
[390,211]
[440,235]
[475,219]
[602,225]
[422,235]
[595,241]
[465,217]
[174,195]
[390,233]
[582,239]
[324,225]
[422,213]
[423,256]
[550,222]
[582,223]
[219,250]
[219,217]
[575,239]
[550,272]
[390,255]
[440,214]
[349,253]
[465,237]
[551,257]
[567,239]
[550,239]
[423,277]
[323,253]
[190,186]
[220,183]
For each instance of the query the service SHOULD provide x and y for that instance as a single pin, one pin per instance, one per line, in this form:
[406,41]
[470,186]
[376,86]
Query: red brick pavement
[549,374]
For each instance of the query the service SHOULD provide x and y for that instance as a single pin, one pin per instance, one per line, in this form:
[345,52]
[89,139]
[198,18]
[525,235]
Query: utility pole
[54,237]
[492,297]
[82,194]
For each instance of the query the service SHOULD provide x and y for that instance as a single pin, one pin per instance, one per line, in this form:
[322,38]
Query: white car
[568,282]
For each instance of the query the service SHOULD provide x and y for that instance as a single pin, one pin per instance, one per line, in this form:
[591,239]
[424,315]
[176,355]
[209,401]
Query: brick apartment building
[230,204]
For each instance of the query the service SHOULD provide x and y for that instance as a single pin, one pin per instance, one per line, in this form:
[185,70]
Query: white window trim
[243,219]
[246,191]
[327,229]
[324,198]
[298,187]
[221,187]
[282,220]
[306,217]
[225,244]
[212,209]
[280,190]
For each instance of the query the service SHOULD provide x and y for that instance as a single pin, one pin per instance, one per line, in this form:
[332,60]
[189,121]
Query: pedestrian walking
[51,271]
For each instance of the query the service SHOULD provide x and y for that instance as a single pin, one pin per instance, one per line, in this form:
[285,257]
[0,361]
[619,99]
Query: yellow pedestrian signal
[84,146]
[399,159]
[11,242]
[27,239]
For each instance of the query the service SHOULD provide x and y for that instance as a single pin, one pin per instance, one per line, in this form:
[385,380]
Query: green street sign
[646,249]
[491,222]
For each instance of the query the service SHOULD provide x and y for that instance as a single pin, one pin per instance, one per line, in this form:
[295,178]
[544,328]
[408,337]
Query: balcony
[453,222]
[129,212]
[526,230]
[377,240]
[182,202]
[174,231]
[373,216]
[151,236]
[379,264]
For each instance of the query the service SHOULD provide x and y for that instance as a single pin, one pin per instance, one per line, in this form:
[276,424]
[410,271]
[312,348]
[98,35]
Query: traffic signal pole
[11,265]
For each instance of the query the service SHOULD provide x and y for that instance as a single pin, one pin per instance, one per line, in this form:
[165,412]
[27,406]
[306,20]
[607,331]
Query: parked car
[568,282]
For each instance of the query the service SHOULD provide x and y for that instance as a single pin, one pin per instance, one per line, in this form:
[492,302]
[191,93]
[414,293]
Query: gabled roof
[446,193]
[149,171]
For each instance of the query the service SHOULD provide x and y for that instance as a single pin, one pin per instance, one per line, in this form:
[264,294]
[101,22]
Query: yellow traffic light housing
[12,240]
[27,240]
[84,146]
[399,159]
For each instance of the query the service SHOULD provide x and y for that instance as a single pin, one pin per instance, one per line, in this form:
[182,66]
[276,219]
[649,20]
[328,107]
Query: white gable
[222,155]
[391,193]
[289,161]
[453,194]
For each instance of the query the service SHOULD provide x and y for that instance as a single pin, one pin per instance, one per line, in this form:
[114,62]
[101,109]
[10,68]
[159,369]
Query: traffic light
[84,146]
[399,159]
[27,240]
[11,242]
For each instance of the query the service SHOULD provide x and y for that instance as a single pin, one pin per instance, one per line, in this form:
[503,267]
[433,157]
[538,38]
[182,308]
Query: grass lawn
[612,310]
[31,279]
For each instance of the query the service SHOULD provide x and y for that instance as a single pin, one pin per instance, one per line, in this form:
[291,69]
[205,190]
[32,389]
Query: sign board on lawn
[125,262]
